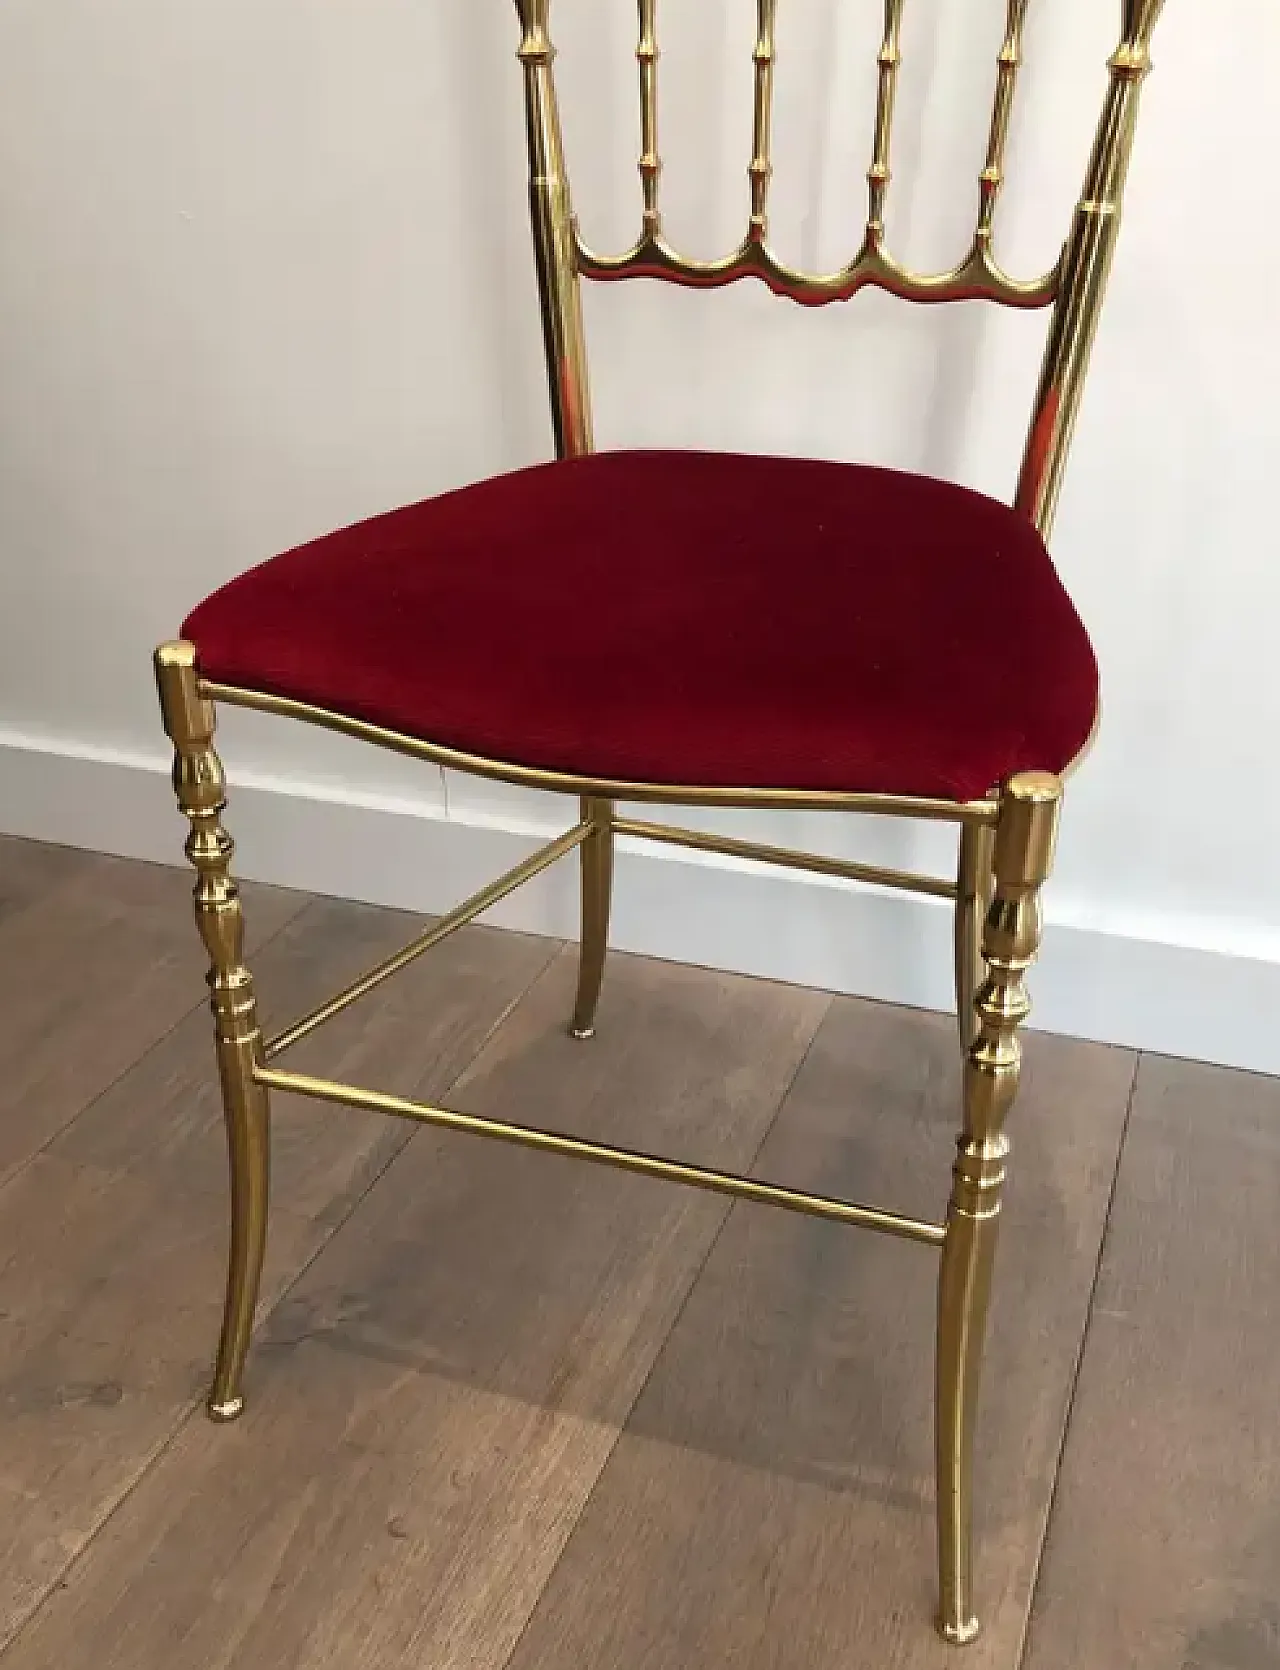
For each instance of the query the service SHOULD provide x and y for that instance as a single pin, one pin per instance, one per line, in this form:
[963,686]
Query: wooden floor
[509,1411]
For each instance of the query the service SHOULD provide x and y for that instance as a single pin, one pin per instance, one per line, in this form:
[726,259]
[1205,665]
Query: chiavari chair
[702,630]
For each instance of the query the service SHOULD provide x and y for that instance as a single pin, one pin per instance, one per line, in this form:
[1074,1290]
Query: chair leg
[1023,854]
[201,792]
[597,894]
[974,890]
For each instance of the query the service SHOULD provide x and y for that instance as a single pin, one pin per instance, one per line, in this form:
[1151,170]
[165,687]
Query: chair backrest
[1074,288]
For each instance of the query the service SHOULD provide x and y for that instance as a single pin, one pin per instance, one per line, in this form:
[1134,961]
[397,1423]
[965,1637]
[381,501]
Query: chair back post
[1086,266]
[551,213]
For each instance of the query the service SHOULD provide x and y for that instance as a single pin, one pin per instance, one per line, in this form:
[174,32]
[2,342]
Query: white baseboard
[1177,998]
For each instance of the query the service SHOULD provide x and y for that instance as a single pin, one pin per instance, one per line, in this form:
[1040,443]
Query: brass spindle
[879,175]
[201,791]
[1022,858]
[761,169]
[551,214]
[992,176]
[1086,265]
[650,162]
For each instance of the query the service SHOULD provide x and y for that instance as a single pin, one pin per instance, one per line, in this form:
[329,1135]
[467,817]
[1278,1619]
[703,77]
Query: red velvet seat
[684,618]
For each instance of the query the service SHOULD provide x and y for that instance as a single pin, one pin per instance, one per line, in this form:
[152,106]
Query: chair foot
[582,1032]
[228,1409]
[959,1632]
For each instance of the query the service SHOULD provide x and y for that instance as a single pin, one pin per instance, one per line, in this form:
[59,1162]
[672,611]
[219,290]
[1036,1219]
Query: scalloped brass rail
[1073,286]
[978,277]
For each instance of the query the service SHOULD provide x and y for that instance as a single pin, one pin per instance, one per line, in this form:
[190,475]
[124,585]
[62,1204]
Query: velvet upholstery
[684,618]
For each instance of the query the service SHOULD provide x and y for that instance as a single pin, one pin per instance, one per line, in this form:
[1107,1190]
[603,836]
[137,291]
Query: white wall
[264,270]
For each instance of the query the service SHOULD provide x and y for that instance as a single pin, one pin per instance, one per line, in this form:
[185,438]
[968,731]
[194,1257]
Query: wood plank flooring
[509,1411]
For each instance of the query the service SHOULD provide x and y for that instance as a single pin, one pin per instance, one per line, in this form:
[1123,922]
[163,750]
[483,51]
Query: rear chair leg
[201,791]
[1024,843]
[973,890]
[597,893]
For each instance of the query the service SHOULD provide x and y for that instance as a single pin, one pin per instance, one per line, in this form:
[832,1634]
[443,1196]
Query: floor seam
[155,1044]
[556,950]
[730,1208]
[63,1576]
[167,1443]
[1024,1645]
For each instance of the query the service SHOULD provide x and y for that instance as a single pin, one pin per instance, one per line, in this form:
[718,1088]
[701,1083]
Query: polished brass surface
[1023,855]
[597,897]
[845,868]
[973,890]
[650,161]
[551,216]
[622,1159]
[201,792]
[878,175]
[1086,267]
[466,912]
[991,180]
[605,788]
[760,168]
[977,276]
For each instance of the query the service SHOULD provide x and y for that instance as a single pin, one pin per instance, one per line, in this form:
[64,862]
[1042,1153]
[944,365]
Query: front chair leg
[201,791]
[973,891]
[597,893]
[1023,854]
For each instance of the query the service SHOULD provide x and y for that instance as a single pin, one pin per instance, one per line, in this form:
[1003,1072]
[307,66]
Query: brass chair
[702,630]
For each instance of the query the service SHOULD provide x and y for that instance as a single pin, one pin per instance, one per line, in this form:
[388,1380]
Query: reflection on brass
[973,891]
[622,1159]
[1085,268]
[1008,65]
[1006,839]
[760,169]
[878,174]
[976,278]
[552,225]
[201,791]
[597,895]
[1074,286]
[1023,855]
[650,161]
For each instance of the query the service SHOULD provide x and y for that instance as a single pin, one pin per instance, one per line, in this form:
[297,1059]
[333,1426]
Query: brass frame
[1006,839]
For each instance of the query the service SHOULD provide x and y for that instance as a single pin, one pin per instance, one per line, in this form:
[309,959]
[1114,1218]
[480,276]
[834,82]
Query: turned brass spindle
[1010,61]
[761,169]
[879,174]
[1022,857]
[200,788]
[1086,266]
[650,161]
[551,214]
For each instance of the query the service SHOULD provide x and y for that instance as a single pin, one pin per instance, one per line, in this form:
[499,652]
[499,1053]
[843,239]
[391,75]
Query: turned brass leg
[973,892]
[597,891]
[1023,855]
[201,791]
